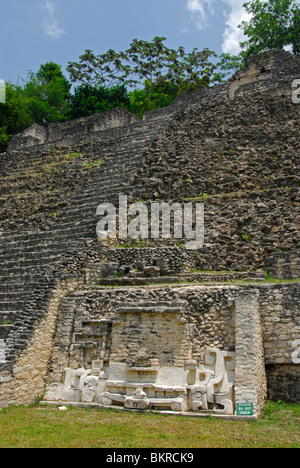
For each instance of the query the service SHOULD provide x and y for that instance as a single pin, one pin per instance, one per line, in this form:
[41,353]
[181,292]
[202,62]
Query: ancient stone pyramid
[149,323]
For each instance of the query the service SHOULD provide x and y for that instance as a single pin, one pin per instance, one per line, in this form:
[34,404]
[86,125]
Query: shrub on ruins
[4,139]
[89,100]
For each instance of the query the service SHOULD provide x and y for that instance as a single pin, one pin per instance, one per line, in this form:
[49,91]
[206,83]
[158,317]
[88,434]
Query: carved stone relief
[207,388]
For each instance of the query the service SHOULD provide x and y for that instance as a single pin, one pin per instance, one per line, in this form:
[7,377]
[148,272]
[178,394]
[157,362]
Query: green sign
[244,409]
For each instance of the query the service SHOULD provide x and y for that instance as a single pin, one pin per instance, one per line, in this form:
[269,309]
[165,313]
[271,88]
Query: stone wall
[176,259]
[73,131]
[281,331]
[283,382]
[239,157]
[280,315]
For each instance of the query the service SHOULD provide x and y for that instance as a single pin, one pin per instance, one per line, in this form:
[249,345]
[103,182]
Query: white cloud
[201,14]
[232,35]
[50,23]
[199,10]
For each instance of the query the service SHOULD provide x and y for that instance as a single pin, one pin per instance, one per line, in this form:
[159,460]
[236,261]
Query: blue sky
[33,32]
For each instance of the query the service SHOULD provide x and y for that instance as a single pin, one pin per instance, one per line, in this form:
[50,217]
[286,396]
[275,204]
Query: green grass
[46,427]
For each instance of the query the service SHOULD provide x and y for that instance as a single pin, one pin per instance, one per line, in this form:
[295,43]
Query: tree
[48,93]
[51,72]
[89,100]
[273,24]
[14,115]
[106,70]
[149,64]
[198,70]
[43,99]
[143,61]
[148,60]
[231,62]
[295,31]
[168,69]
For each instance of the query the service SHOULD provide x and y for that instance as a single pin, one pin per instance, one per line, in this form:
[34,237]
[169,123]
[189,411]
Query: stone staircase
[28,259]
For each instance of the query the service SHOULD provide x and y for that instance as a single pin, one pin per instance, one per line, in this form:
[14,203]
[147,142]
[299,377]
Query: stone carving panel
[213,388]
[205,388]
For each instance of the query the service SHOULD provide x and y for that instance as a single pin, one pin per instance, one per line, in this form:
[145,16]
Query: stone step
[31,261]
[38,256]
[8,306]
[131,143]
[54,246]
[21,240]
[14,297]
[15,285]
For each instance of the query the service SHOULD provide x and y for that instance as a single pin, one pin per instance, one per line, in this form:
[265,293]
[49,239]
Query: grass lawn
[46,427]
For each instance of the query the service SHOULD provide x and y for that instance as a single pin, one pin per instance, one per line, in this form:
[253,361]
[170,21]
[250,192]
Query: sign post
[244,409]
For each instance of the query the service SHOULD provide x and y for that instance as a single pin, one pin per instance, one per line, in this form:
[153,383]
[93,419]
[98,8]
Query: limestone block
[151,271]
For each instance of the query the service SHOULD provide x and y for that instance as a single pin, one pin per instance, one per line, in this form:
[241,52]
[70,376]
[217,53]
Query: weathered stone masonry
[157,326]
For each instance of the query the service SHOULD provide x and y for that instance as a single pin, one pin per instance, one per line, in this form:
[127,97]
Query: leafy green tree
[148,60]
[163,93]
[273,24]
[89,100]
[194,70]
[106,70]
[43,99]
[229,62]
[149,64]
[48,93]
[14,115]
[51,72]
[170,72]
[294,38]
